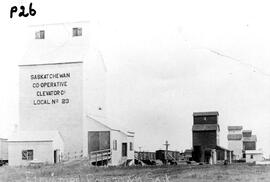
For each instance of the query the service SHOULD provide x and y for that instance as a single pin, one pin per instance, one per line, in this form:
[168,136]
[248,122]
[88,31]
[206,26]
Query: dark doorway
[197,153]
[98,140]
[55,156]
[124,149]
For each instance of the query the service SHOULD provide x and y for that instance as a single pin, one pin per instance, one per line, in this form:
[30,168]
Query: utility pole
[166,151]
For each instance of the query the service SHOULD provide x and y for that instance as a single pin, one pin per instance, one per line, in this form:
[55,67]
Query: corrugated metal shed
[211,113]
[234,136]
[235,127]
[205,127]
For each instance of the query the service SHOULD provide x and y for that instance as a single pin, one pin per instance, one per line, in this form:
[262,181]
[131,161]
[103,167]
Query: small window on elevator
[76,32]
[40,34]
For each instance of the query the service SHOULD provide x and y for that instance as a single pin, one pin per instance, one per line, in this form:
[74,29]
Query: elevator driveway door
[98,140]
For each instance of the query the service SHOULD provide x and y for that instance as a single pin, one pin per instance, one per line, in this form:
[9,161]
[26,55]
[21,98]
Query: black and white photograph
[134,91]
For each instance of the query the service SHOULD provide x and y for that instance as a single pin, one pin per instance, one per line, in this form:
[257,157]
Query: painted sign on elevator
[50,88]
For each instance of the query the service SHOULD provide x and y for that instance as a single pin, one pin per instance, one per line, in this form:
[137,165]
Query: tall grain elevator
[61,80]
[205,135]
[235,141]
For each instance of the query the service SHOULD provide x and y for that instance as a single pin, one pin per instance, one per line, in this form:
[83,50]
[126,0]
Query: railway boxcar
[146,157]
[172,156]
[150,157]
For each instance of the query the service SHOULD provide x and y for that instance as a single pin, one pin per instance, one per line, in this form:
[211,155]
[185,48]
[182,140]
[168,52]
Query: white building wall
[94,94]
[117,154]
[86,88]
[58,144]
[43,151]
[256,158]
[59,44]
[236,146]
[3,149]
[64,117]
[94,84]
[130,153]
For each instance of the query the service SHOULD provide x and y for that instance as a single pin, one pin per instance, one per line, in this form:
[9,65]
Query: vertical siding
[249,145]
[203,140]
[206,139]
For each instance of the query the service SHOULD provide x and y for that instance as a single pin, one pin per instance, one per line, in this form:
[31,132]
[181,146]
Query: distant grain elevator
[205,133]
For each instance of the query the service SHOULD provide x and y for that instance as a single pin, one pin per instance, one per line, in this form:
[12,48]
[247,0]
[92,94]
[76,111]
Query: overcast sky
[165,60]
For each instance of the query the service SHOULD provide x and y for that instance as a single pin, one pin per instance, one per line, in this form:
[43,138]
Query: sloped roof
[235,127]
[205,127]
[211,113]
[28,136]
[234,136]
[221,148]
[253,138]
[103,121]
